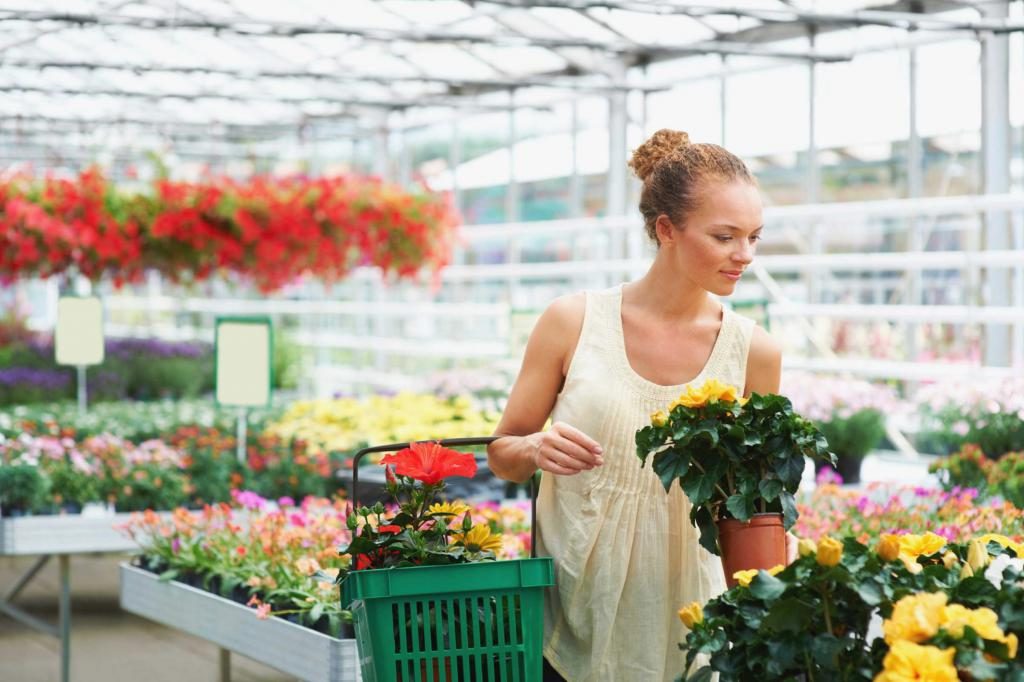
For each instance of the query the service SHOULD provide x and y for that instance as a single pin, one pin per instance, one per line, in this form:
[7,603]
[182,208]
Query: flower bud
[977,555]
[888,547]
[659,418]
[807,547]
[743,578]
[949,560]
[691,615]
[966,571]
[830,551]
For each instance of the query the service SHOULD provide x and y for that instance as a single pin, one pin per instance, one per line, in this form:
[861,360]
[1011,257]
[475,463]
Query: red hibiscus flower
[431,462]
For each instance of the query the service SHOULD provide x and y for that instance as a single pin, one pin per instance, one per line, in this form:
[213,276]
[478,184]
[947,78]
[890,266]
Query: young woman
[598,363]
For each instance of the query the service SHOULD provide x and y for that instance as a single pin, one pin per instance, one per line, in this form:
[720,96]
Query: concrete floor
[107,644]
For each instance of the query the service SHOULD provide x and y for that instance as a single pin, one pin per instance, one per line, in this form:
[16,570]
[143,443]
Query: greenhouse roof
[196,71]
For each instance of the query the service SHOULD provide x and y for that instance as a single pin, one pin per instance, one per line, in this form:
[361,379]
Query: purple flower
[175,545]
[27,377]
[285,502]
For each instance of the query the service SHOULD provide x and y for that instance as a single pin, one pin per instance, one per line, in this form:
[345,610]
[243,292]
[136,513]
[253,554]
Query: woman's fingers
[577,444]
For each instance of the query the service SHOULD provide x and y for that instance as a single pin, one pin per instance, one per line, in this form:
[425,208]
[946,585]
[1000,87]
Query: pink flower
[263,611]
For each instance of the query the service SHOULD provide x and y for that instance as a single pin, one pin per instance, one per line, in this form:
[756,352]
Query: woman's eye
[755,237]
[723,237]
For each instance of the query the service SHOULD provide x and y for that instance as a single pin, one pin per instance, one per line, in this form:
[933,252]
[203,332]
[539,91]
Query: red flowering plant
[419,530]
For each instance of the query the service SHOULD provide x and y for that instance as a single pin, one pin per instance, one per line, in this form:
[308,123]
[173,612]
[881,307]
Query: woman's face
[717,242]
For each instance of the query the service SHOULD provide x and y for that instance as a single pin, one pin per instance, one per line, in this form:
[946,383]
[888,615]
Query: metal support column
[723,80]
[381,155]
[575,181]
[512,193]
[995,149]
[454,159]
[617,123]
[915,188]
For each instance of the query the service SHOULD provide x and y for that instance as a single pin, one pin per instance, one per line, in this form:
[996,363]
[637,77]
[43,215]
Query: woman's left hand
[791,548]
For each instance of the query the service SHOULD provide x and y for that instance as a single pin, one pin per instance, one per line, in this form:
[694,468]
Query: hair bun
[661,146]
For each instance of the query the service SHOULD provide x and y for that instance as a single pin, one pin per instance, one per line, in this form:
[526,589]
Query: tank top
[626,556]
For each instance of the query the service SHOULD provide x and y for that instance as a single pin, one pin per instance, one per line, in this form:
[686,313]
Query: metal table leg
[63,629]
[64,617]
[225,665]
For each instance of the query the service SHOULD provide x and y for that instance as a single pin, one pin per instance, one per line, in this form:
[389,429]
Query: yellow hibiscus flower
[1004,541]
[691,614]
[743,578]
[830,551]
[888,548]
[915,618]
[983,621]
[907,662]
[479,538]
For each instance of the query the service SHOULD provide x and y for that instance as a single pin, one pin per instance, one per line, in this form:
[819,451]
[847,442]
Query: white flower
[994,572]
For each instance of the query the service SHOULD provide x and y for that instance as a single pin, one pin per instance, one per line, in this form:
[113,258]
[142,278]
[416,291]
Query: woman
[598,364]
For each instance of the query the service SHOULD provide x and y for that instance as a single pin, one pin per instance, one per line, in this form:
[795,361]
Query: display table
[60,536]
[295,650]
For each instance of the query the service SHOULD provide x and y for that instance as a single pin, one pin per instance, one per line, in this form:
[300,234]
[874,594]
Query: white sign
[243,362]
[78,339]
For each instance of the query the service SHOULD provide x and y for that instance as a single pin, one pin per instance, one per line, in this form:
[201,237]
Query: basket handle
[447,442]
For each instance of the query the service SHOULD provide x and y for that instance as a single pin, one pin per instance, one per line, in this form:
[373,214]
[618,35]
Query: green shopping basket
[477,621]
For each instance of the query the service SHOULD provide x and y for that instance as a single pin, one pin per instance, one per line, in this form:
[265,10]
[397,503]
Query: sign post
[243,349]
[78,338]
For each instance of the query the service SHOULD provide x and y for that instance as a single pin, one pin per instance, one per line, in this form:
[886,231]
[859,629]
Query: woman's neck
[670,295]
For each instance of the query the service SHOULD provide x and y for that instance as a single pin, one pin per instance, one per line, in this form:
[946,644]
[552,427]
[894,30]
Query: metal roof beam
[249,27]
[852,19]
[353,102]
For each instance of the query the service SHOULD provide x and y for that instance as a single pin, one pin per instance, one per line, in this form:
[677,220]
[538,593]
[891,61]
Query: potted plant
[422,574]
[740,462]
[23,489]
[851,413]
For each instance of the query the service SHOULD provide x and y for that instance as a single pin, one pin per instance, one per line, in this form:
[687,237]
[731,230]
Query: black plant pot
[846,466]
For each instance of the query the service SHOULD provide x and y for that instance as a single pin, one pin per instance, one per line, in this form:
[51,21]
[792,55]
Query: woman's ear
[665,230]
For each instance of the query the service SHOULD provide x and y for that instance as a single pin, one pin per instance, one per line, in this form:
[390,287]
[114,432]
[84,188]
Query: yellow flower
[479,538]
[977,555]
[694,397]
[983,621]
[775,570]
[1004,541]
[921,545]
[888,547]
[716,390]
[907,661]
[744,577]
[949,560]
[806,547]
[830,551]
[659,418]
[691,614]
[915,618]
[1011,644]
[447,508]
[966,571]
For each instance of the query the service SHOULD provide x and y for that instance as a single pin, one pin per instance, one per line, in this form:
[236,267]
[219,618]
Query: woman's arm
[523,447]
[764,364]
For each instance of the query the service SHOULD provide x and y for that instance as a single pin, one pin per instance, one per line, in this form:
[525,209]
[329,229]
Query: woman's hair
[674,171]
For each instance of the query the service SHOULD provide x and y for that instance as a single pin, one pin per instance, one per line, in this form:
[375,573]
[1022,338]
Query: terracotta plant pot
[758,543]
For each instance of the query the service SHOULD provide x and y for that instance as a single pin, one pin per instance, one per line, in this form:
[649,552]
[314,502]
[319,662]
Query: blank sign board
[243,361]
[78,339]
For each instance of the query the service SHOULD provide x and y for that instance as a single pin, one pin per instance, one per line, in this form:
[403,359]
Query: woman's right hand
[565,450]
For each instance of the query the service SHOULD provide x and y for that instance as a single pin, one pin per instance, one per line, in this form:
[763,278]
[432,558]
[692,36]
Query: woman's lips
[733,274]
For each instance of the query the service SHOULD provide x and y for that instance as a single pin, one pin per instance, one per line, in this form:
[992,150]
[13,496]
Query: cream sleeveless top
[626,556]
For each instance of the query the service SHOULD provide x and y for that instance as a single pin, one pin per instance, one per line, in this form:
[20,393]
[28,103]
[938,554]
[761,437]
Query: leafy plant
[856,435]
[421,531]
[732,457]
[22,488]
[812,619]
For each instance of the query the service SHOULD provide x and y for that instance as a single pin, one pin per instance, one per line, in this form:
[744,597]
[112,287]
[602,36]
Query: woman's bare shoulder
[764,363]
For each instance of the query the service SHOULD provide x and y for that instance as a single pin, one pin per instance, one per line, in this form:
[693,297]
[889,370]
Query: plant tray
[476,621]
[64,534]
[280,644]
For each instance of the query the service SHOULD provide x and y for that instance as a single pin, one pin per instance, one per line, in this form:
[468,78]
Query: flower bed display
[988,413]
[970,467]
[269,231]
[879,508]
[347,424]
[278,557]
[951,612]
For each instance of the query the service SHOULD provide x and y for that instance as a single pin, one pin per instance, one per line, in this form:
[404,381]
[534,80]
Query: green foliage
[856,435]
[22,488]
[152,486]
[733,459]
[810,621]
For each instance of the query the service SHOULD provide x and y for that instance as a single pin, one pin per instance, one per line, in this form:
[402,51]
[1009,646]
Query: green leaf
[740,507]
[766,586]
[315,613]
[826,649]
[168,575]
[788,615]
[770,488]
[701,675]
[789,512]
[870,592]
[669,465]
